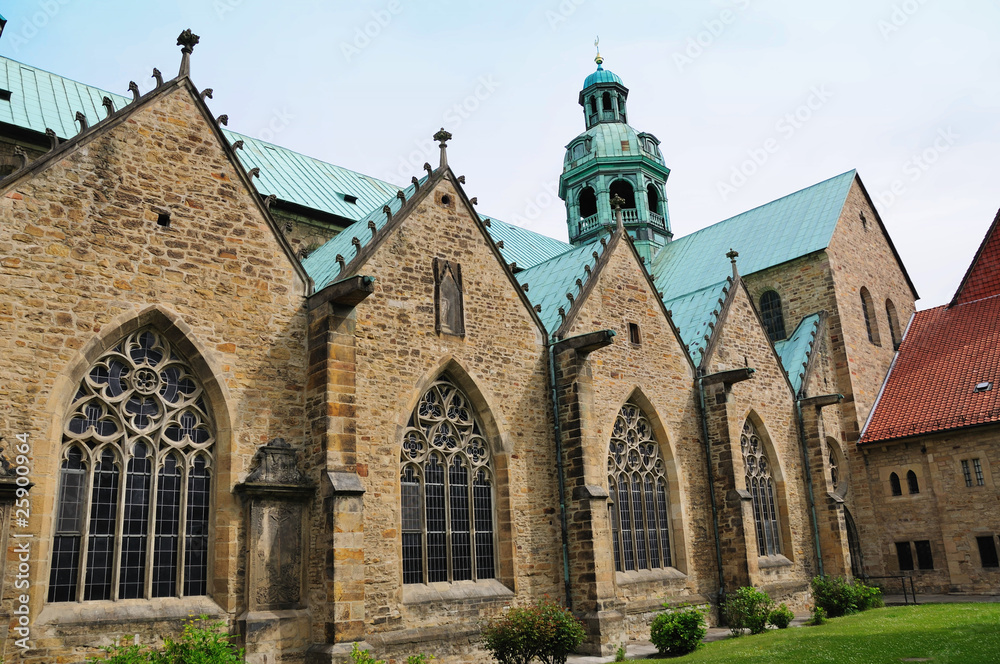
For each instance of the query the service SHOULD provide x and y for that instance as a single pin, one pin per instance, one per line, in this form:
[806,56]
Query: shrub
[747,608]
[419,658]
[544,630]
[838,597]
[818,616]
[359,656]
[201,642]
[781,617]
[678,632]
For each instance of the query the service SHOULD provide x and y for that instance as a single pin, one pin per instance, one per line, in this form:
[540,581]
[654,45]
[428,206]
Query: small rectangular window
[965,472]
[625,147]
[633,333]
[979,472]
[904,554]
[163,219]
[924,558]
[4,95]
[988,551]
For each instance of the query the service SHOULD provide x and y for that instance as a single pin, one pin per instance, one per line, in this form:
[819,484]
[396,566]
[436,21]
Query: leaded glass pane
[103,522]
[449,524]
[135,526]
[139,404]
[168,513]
[196,539]
[760,484]
[636,476]
[770,312]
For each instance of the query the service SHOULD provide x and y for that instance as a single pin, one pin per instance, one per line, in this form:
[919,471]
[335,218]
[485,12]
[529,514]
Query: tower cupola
[611,159]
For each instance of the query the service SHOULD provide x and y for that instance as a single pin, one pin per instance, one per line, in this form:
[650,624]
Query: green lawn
[938,633]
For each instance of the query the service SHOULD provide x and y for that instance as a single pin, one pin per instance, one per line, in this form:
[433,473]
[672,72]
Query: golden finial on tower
[597,44]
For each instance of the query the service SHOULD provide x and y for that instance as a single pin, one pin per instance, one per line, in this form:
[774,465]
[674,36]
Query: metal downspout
[711,488]
[559,470]
[809,485]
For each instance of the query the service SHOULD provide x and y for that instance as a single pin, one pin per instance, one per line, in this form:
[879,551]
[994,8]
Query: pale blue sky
[873,83]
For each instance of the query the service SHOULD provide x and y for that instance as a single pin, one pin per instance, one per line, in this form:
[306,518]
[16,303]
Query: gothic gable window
[770,312]
[639,504]
[894,333]
[447,491]
[132,514]
[448,301]
[760,484]
[868,308]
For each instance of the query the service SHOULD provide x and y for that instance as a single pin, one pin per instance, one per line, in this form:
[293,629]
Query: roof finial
[599,60]
[617,202]
[187,41]
[443,137]
[732,256]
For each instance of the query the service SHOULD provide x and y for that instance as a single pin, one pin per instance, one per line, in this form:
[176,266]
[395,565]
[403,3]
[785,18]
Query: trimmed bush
[678,632]
[838,597]
[781,617]
[747,608]
[818,616]
[202,642]
[545,630]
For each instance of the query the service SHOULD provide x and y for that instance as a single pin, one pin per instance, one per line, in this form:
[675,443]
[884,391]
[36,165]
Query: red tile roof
[983,278]
[947,351]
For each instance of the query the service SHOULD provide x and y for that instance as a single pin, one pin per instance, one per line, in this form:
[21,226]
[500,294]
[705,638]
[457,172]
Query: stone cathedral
[327,409]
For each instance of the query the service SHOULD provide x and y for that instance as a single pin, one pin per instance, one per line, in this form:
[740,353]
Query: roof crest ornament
[133,87]
[158,76]
[187,41]
[599,60]
[443,137]
[617,202]
[732,255]
[109,106]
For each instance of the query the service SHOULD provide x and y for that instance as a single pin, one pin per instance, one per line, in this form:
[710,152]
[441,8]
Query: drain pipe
[583,344]
[711,490]
[557,429]
[819,402]
[727,378]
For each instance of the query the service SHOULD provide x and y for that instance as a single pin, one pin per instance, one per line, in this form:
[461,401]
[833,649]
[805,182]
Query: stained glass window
[760,484]
[770,312]
[138,435]
[637,482]
[446,491]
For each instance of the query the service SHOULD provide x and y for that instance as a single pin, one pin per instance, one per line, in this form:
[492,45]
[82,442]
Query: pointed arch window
[894,333]
[770,312]
[760,484]
[894,485]
[135,479]
[868,308]
[639,494]
[447,491]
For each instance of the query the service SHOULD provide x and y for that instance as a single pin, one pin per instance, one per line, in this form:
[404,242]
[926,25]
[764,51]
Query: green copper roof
[549,282]
[41,100]
[769,235]
[614,139]
[524,247]
[322,266]
[693,312]
[602,75]
[309,182]
[794,351]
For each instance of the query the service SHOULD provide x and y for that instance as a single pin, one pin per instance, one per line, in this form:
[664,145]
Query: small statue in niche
[450,314]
